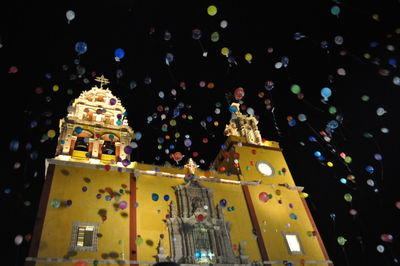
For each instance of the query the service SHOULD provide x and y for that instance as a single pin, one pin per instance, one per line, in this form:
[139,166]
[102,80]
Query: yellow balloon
[248,57]
[212,10]
[330,164]
[56,87]
[225,51]
[303,195]
[51,133]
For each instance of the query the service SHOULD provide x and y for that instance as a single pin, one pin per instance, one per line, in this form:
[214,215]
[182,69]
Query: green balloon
[335,10]
[332,110]
[214,37]
[348,159]
[348,197]
[341,240]
[295,89]
[365,98]
[55,203]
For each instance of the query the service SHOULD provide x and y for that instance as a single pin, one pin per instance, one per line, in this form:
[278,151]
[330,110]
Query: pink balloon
[386,238]
[398,204]
[123,205]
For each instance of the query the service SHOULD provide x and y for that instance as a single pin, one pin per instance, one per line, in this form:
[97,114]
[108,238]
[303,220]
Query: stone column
[67,137]
[95,150]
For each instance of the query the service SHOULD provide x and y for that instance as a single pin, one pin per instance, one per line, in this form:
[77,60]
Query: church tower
[99,208]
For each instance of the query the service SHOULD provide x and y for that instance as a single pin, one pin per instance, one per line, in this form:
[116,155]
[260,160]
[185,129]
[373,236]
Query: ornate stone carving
[197,230]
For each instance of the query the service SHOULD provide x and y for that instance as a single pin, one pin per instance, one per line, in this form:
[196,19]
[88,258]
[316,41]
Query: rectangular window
[84,236]
[293,244]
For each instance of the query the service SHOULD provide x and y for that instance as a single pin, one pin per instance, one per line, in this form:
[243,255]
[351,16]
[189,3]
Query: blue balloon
[343,180]
[222,203]
[132,84]
[138,135]
[119,53]
[333,124]
[166,197]
[292,122]
[154,196]
[326,93]
[317,154]
[209,118]
[232,109]
[169,57]
[14,145]
[369,169]
[81,47]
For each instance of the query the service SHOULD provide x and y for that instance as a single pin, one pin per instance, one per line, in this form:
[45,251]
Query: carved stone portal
[197,230]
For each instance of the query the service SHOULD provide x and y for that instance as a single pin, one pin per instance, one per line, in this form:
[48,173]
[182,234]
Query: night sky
[350,48]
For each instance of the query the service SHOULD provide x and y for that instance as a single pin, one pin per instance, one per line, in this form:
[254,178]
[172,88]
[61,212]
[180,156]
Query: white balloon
[250,111]
[380,248]
[70,15]
[278,65]
[380,111]
[18,240]
[224,24]
[302,117]
[371,182]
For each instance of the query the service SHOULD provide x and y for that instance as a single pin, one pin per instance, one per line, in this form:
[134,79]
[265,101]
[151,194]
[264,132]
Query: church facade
[99,208]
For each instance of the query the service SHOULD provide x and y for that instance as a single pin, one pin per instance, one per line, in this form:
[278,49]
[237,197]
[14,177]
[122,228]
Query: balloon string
[172,76]
[16,257]
[345,256]
[201,46]
[275,122]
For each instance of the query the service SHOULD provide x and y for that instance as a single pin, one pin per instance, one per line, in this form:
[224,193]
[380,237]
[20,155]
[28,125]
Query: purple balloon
[125,162]
[113,101]
[128,149]
[187,142]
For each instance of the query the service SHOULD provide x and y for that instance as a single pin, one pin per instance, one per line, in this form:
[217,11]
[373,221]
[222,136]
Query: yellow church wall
[57,230]
[151,214]
[274,216]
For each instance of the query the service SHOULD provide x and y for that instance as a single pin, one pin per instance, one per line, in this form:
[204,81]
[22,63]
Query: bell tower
[95,129]
[283,225]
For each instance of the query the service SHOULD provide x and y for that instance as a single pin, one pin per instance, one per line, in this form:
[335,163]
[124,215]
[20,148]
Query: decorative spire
[243,126]
[102,80]
[191,165]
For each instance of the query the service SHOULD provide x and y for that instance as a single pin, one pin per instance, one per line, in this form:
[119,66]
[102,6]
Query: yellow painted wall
[67,185]
[273,216]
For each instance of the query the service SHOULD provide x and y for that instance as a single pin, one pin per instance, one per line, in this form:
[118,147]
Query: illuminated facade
[100,208]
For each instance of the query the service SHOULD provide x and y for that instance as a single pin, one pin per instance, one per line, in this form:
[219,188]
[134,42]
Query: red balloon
[81,263]
[239,93]
[200,217]
[263,197]
[103,218]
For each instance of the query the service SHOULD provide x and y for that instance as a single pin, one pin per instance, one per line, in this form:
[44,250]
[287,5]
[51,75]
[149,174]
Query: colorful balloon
[212,10]
[81,47]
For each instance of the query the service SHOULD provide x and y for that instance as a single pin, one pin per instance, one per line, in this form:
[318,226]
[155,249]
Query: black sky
[37,39]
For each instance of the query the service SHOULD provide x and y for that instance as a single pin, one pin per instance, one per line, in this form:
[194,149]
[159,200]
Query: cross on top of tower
[191,165]
[102,80]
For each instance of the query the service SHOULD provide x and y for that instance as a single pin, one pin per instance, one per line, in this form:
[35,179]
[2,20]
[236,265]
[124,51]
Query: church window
[293,244]
[108,148]
[81,144]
